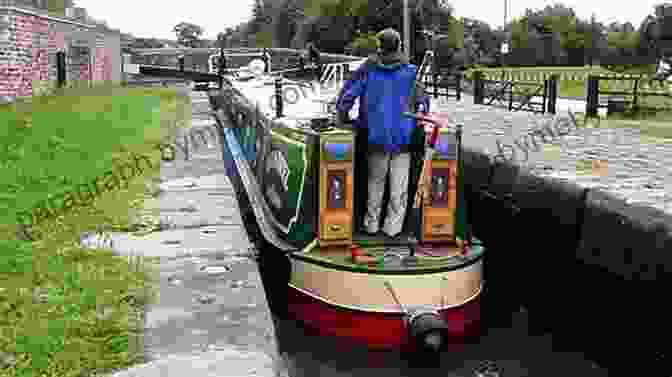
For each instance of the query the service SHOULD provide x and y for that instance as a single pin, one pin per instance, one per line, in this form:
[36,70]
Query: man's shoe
[395,238]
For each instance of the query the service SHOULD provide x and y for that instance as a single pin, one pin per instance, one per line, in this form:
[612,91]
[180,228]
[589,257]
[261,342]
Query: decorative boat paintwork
[304,184]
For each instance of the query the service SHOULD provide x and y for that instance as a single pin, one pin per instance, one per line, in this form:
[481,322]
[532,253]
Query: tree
[654,39]
[224,39]
[624,42]
[335,24]
[363,45]
[555,32]
[57,7]
[286,22]
[456,33]
[188,34]
[260,16]
[304,31]
[257,16]
[481,43]
[240,36]
[357,16]
[334,29]
[520,34]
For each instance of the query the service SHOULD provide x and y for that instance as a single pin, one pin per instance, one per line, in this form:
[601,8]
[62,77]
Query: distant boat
[306,182]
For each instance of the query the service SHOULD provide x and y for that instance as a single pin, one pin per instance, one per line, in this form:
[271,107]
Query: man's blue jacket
[386,87]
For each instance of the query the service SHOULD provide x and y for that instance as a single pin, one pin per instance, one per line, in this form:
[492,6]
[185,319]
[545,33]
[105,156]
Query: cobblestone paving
[637,170]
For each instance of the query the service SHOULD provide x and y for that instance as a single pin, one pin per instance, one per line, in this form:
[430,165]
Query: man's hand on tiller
[428,120]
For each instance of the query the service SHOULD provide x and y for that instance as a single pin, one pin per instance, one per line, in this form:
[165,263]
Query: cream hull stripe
[381,310]
[368,291]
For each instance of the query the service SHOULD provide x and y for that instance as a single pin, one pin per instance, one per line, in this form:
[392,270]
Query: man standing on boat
[386,87]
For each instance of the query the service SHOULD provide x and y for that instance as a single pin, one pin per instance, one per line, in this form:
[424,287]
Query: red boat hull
[379,330]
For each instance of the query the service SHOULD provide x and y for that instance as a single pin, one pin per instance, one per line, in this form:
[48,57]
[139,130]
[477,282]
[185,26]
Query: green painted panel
[284,173]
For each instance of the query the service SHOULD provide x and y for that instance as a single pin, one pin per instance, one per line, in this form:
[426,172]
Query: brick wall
[102,68]
[25,55]
[6,45]
[28,53]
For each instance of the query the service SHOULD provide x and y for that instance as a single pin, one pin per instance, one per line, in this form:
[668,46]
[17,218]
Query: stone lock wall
[585,264]
[28,47]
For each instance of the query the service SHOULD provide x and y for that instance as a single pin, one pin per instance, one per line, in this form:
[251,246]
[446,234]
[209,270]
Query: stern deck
[384,256]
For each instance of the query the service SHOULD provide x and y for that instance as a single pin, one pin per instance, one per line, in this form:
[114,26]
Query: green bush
[263,39]
[364,44]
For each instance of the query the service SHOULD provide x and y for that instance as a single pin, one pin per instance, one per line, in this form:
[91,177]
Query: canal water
[217,283]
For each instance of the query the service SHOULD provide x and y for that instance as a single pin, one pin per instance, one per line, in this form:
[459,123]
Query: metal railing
[633,95]
[503,91]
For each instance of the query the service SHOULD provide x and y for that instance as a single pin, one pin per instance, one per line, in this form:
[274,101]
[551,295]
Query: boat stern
[432,305]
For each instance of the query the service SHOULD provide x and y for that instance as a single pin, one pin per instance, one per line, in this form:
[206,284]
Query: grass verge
[572,80]
[67,310]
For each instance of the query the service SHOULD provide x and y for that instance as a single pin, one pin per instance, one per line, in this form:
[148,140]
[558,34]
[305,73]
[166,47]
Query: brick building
[31,36]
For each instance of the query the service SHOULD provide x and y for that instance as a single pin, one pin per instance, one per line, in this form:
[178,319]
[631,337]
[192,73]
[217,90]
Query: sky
[144,18]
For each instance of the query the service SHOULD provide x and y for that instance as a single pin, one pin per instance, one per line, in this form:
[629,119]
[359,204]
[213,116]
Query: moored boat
[305,178]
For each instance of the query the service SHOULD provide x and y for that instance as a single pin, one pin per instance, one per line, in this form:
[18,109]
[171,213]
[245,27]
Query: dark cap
[389,39]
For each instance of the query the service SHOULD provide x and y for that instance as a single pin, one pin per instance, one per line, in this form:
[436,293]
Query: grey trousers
[382,165]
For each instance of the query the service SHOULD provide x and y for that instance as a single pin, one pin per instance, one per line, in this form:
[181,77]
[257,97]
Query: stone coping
[619,161]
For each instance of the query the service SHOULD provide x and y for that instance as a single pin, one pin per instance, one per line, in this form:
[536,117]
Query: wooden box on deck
[336,224]
[438,222]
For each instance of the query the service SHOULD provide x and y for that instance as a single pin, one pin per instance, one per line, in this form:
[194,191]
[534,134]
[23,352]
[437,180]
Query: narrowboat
[305,178]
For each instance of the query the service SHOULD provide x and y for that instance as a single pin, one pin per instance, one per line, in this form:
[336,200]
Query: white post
[506,9]
[407,31]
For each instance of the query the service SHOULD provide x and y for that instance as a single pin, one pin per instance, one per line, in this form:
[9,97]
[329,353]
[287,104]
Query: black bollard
[60,69]
[479,88]
[552,94]
[458,83]
[592,96]
[278,97]
[266,57]
[546,96]
[222,62]
[221,67]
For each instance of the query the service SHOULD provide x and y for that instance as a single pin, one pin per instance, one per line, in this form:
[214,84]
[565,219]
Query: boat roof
[261,91]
